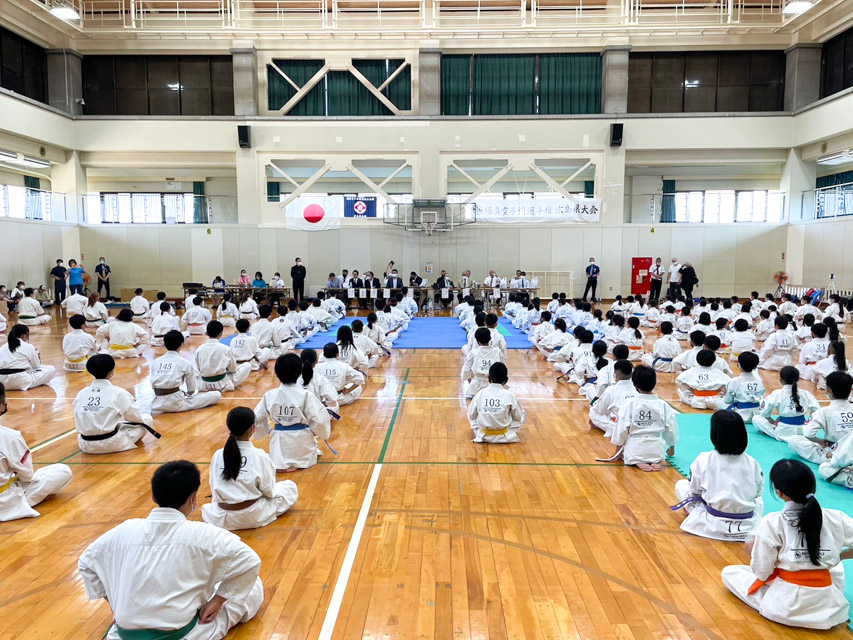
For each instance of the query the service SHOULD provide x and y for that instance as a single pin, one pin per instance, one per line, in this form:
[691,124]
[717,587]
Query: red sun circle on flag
[313,213]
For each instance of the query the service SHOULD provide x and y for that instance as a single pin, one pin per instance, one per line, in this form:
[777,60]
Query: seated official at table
[443,282]
[394,281]
[520,280]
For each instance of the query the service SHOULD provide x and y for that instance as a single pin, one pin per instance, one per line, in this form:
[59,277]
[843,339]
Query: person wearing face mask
[199,580]
[103,272]
[244,280]
[673,279]
[656,273]
[21,487]
[297,275]
[394,281]
[59,274]
[592,273]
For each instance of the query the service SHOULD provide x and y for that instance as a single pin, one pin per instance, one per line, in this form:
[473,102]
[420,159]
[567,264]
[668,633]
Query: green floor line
[71,455]
[393,419]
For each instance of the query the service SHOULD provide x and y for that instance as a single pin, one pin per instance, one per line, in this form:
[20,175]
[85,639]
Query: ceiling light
[64,12]
[796,7]
[20,160]
[839,157]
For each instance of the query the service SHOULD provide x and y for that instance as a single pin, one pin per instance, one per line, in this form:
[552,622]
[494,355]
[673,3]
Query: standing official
[59,275]
[674,279]
[297,275]
[656,273]
[592,273]
[103,272]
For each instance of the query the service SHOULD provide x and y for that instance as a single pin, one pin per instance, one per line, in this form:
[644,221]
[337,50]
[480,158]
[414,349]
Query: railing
[329,15]
[159,208]
[827,202]
[25,203]
[718,206]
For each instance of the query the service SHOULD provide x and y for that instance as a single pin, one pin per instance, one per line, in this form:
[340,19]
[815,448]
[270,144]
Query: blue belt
[798,420]
[712,511]
[592,381]
[292,427]
[656,360]
[743,405]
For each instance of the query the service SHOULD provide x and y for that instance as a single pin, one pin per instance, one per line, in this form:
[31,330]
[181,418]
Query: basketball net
[429,227]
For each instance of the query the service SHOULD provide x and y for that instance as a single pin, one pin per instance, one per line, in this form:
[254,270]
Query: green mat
[504,331]
[694,438]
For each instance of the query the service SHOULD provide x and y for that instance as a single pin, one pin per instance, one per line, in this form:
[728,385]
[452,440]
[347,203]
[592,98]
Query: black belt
[107,436]
[11,372]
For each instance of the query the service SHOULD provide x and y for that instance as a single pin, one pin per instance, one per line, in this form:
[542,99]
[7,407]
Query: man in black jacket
[394,281]
[443,282]
[297,274]
[357,283]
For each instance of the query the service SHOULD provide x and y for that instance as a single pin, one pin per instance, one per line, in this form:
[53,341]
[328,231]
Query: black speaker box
[616,134]
[243,133]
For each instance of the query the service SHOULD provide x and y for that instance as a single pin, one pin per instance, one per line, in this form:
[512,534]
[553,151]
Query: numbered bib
[843,421]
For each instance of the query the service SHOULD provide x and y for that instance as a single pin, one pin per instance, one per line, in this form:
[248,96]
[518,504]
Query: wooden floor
[530,540]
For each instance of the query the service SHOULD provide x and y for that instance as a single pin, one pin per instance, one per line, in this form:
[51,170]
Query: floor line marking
[334,609]
[41,446]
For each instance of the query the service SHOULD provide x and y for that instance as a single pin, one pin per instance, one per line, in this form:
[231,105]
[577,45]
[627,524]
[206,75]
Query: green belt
[156,634]
[221,376]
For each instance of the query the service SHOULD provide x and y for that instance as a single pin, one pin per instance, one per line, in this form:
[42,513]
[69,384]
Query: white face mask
[103,262]
[298,263]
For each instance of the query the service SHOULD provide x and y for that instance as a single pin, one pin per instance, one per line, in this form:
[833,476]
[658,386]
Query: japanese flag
[315,213]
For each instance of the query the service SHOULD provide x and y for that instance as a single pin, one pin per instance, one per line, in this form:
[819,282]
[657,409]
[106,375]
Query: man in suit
[443,282]
[592,273]
[356,282]
[394,281]
[297,275]
[416,282]
[371,281]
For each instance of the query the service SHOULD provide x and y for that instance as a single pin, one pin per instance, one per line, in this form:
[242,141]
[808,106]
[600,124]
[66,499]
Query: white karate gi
[25,359]
[76,303]
[646,428]
[744,394]
[742,342]
[810,354]
[540,332]
[103,408]
[123,338]
[764,329]
[778,545]
[255,481]
[264,332]
[377,334]
[324,318]
[31,313]
[323,389]
[154,309]
[564,353]
[354,357]
[171,371]
[217,367]
[287,406]
[553,342]
[701,379]
[286,334]
[777,351]
[781,402]
[476,367]
[664,352]
[249,310]
[496,415]
[834,421]
[22,487]
[823,368]
[179,565]
[652,318]
[683,327]
[368,347]
[141,308]
[228,316]
[628,337]
[195,320]
[579,351]
[805,309]
[731,484]
[188,303]
[163,324]
[2,323]
[96,315]
[341,375]
[77,345]
[605,412]
[246,350]
[839,468]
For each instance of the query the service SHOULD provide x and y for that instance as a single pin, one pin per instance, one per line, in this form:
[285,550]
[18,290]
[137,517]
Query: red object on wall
[640,278]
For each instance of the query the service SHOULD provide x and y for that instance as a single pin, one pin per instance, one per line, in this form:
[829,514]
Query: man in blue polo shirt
[592,272]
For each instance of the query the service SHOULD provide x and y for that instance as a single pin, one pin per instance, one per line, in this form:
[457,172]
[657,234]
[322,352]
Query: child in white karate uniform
[195,319]
[157,306]
[93,310]
[712,343]
[364,344]
[495,413]
[22,487]
[778,348]
[175,381]
[227,312]
[346,380]
[604,412]
[791,405]
[20,364]
[163,323]
[478,362]
[375,332]
[77,345]
[632,338]
[646,430]
[297,416]
[318,384]
[813,352]
[242,480]
[542,330]
[106,416]
[834,422]
[140,307]
[349,353]
[684,324]
[795,576]
[265,333]
[121,338]
[30,311]
[687,359]
[664,352]
[701,386]
[587,360]
[765,326]
[216,364]
[77,302]
[723,497]
[835,360]
[249,308]
[556,339]
[324,318]
[744,393]
[246,349]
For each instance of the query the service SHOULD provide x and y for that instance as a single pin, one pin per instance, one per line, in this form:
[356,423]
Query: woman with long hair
[20,364]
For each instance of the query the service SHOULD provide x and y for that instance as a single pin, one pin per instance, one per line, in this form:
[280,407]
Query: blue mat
[694,438]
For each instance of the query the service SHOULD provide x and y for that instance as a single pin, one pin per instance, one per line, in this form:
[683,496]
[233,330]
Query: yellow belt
[8,484]
[122,347]
[494,432]
[77,361]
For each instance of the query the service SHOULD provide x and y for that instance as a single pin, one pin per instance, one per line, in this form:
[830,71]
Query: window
[23,66]
[837,64]
[725,207]
[25,203]
[140,208]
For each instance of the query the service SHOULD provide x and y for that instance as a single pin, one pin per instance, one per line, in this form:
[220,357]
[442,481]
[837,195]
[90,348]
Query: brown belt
[166,392]
[238,506]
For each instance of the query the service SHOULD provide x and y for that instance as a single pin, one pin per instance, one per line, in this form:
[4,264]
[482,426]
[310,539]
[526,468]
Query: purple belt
[712,511]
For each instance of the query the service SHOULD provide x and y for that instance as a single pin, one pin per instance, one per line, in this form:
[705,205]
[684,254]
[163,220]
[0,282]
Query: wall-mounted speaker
[244,132]
[616,134]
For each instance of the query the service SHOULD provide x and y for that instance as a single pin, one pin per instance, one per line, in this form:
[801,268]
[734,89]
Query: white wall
[29,250]
[823,250]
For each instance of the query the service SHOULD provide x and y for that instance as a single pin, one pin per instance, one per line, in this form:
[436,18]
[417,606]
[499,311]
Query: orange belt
[635,348]
[804,578]
[706,393]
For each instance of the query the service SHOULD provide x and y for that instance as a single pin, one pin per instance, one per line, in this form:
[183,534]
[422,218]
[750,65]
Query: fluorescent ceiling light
[19,160]
[797,7]
[839,157]
[64,12]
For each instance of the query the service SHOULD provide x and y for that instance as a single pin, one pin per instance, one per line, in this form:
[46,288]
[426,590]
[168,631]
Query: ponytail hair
[790,375]
[93,298]
[15,335]
[797,481]
[371,320]
[840,358]
[599,350]
[634,323]
[345,338]
[309,359]
[225,300]
[833,329]
[239,421]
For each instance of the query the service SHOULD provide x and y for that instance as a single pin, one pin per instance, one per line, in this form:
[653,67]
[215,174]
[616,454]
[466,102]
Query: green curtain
[279,90]
[836,178]
[504,84]
[589,188]
[273,191]
[399,90]
[348,97]
[199,204]
[668,204]
[569,83]
[456,85]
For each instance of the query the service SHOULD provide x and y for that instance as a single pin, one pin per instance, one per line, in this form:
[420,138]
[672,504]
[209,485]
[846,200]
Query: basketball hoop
[429,227]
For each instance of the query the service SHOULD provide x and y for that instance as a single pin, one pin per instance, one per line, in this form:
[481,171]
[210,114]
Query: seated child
[196,318]
[77,345]
[227,312]
[701,386]
[345,379]
[324,318]
[684,324]
[712,343]
[778,348]
[744,393]
[157,305]
[632,338]
[242,480]
[834,422]
[246,350]
[175,380]
[556,338]
[666,349]
[30,312]
[687,359]
[835,360]
[478,362]
[216,364]
[723,498]
[318,384]
[542,330]
[265,333]
[163,323]
[495,413]
[813,351]
[140,307]
[793,407]
[604,412]
[646,430]
[122,338]
[364,344]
